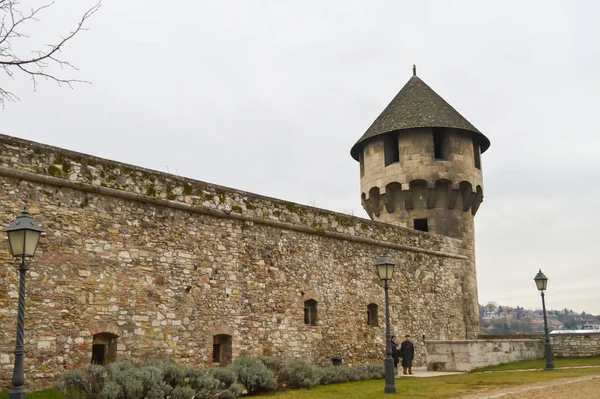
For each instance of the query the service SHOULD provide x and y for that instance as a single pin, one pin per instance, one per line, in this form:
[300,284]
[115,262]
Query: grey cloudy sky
[269,96]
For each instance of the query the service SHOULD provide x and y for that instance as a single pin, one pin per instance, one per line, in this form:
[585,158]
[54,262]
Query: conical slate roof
[417,105]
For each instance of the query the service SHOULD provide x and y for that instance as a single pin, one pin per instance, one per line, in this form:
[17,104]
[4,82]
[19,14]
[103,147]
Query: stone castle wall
[468,355]
[166,263]
[575,344]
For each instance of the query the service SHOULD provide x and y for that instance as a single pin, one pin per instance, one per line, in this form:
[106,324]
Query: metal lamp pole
[18,377]
[23,238]
[542,282]
[385,270]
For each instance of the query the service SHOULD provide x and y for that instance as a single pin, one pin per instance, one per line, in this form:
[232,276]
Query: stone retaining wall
[468,355]
[576,344]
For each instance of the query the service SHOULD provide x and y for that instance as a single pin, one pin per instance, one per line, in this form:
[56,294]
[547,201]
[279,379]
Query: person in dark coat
[407,353]
[395,352]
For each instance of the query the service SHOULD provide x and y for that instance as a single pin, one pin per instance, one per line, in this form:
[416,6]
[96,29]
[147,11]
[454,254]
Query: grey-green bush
[173,374]
[181,392]
[254,375]
[273,363]
[334,375]
[73,384]
[297,373]
[112,390]
[216,383]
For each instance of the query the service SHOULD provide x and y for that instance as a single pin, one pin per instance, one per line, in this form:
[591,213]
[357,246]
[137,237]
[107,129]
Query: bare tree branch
[37,66]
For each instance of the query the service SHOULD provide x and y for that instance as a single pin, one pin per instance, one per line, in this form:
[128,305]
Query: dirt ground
[572,388]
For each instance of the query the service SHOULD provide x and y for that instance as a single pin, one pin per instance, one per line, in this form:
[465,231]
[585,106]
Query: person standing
[395,352]
[407,353]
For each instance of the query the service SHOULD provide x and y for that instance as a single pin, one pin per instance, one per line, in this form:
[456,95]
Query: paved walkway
[572,388]
[425,374]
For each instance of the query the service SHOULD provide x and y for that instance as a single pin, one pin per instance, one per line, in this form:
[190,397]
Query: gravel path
[571,388]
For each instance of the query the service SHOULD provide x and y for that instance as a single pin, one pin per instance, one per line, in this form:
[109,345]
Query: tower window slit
[390,149]
[476,155]
[361,160]
[439,143]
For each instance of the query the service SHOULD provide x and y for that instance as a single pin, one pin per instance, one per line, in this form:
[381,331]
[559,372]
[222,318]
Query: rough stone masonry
[149,264]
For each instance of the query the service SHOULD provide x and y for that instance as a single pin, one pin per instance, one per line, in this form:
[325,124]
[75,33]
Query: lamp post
[541,281]
[385,270]
[23,238]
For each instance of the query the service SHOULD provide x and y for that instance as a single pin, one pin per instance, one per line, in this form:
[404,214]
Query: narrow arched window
[372,316]
[310,312]
[104,348]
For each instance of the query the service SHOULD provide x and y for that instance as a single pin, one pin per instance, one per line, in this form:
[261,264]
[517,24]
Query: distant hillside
[498,319]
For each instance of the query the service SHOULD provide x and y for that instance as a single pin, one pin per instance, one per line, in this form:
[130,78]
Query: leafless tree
[37,65]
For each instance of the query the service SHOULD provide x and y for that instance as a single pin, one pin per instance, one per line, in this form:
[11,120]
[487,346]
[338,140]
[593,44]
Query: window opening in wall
[98,353]
[222,349]
[439,135]
[361,160]
[310,312]
[372,319]
[476,155]
[104,348]
[421,224]
[390,149]
[216,353]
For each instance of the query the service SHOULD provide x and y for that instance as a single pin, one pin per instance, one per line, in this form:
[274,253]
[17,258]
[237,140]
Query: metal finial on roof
[414,70]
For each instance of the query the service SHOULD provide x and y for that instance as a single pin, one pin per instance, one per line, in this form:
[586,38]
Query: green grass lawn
[541,364]
[45,394]
[433,387]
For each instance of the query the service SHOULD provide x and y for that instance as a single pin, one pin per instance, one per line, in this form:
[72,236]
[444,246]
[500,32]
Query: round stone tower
[420,167]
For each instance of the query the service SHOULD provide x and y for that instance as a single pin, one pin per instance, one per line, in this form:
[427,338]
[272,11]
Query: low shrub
[160,379]
[216,383]
[274,364]
[173,374]
[254,375]
[298,373]
[181,392]
[334,375]
[112,390]
[372,371]
[74,384]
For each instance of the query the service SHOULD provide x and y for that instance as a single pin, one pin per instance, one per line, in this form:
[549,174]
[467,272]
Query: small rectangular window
[361,160]
[98,354]
[310,312]
[421,224]
[390,149]
[476,155]
[438,143]
[216,353]
[372,319]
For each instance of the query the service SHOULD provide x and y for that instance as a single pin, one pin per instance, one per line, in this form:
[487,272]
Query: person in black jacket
[395,352]
[407,353]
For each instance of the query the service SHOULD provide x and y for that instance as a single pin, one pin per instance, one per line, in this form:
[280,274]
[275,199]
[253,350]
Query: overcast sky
[269,97]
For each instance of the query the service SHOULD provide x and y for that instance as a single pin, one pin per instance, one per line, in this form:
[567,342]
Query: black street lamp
[23,238]
[541,281]
[385,270]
